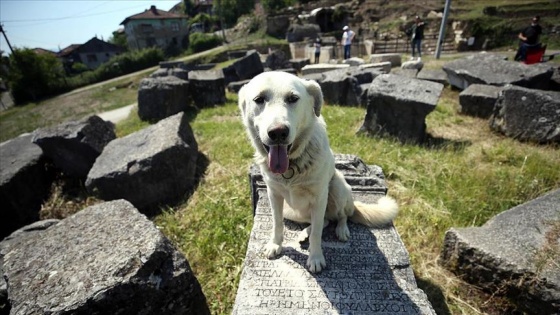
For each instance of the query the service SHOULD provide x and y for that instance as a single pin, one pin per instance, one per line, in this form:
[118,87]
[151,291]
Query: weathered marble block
[494,70]
[322,67]
[513,254]
[394,58]
[398,106]
[478,100]
[369,274]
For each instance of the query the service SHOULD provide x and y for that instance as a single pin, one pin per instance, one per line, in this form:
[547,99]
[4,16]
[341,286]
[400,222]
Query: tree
[271,6]
[231,10]
[188,8]
[119,39]
[33,76]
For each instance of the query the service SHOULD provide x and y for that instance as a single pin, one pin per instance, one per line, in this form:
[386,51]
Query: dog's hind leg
[342,231]
[304,234]
[340,205]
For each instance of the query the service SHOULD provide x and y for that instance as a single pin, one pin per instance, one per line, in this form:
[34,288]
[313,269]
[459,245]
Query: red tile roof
[41,51]
[68,50]
[152,13]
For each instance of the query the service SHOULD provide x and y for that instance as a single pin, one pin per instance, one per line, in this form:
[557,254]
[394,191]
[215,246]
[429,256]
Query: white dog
[282,115]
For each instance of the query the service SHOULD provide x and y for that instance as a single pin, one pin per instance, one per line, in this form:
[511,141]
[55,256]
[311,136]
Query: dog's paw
[272,250]
[316,263]
[342,232]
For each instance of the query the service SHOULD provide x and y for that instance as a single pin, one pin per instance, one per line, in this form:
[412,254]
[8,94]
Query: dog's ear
[241,100]
[314,89]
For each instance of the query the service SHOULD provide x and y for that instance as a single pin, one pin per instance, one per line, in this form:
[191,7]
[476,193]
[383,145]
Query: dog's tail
[376,214]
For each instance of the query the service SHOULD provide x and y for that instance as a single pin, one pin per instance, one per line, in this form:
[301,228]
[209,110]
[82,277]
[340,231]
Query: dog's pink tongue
[278,159]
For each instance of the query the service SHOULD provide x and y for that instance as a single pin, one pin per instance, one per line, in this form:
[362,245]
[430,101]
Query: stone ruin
[520,100]
[398,105]
[527,115]
[160,160]
[108,258]
[494,70]
[515,253]
[131,161]
[105,259]
[479,100]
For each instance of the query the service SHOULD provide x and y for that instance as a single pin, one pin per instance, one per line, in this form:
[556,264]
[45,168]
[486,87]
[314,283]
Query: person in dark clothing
[417,34]
[529,39]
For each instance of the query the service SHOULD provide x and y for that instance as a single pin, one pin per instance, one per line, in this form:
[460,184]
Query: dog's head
[277,109]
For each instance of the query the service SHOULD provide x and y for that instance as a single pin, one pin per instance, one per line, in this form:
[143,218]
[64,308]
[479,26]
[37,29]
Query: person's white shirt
[347,37]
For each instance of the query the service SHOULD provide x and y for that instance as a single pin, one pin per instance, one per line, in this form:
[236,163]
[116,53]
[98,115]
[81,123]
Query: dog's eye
[259,100]
[292,99]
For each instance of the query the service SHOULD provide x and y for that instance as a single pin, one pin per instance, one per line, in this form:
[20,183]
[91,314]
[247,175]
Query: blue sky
[57,24]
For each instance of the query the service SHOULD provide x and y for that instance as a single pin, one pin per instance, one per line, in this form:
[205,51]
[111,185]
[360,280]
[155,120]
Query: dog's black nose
[278,134]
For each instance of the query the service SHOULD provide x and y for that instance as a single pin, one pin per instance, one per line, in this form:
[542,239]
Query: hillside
[496,22]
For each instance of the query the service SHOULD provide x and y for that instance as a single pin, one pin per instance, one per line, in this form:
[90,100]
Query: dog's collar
[292,168]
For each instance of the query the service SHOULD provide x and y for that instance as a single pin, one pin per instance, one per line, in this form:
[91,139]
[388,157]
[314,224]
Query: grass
[469,175]
[71,106]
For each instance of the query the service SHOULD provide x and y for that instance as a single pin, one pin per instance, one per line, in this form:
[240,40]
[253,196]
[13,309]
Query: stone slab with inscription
[369,274]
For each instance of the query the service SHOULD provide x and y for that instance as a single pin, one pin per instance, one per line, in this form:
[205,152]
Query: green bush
[200,42]
[276,5]
[79,67]
[129,62]
[34,76]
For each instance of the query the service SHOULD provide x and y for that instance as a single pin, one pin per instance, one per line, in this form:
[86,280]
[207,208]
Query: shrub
[129,62]
[34,76]
[200,42]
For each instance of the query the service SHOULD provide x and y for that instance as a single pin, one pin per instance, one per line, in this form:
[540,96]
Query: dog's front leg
[274,246]
[316,260]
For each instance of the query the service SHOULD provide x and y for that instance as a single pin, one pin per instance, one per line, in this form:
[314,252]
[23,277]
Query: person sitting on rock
[529,39]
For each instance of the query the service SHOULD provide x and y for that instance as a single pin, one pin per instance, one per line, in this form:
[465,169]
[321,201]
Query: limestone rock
[73,146]
[354,61]
[413,64]
[512,253]
[438,76]
[207,88]
[344,86]
[384,67]
[151,167]
[25,181]
[479,100]
[299,63]
[249,66]
[234,87]
[394,58]
[494,70]
[297,32]
[398,106]
[322,67]
[176,72]
[527,115]
[409,73]
[277,60]
[105,259]
[161,97]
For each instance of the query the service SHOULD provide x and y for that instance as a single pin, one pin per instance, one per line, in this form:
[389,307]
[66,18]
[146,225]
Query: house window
[151,42]
[175,27]
[147,28]
[91,58]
